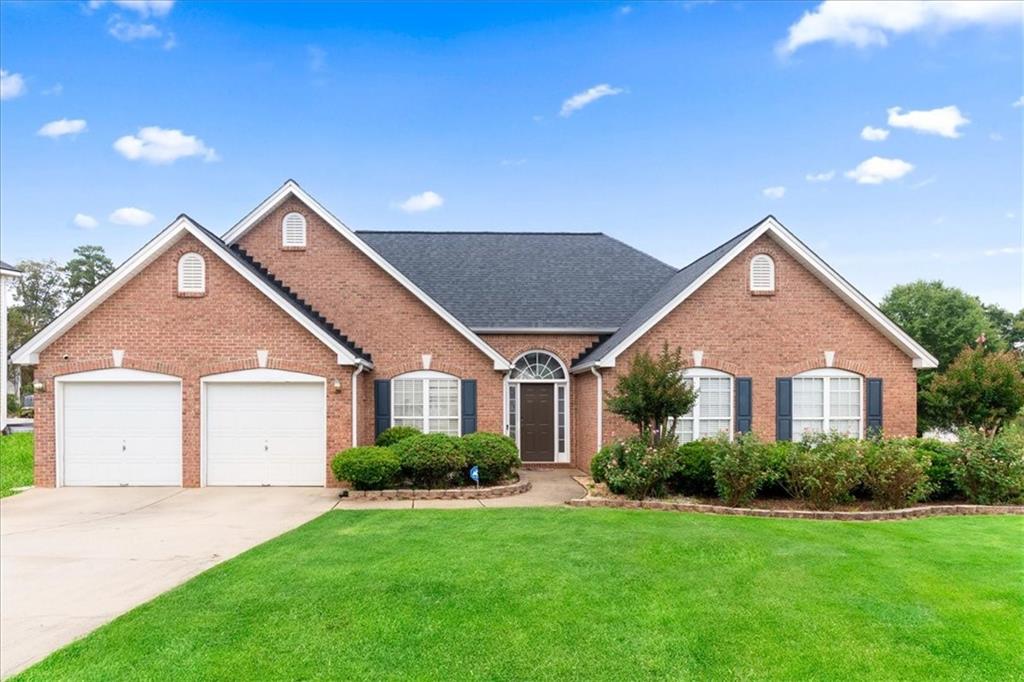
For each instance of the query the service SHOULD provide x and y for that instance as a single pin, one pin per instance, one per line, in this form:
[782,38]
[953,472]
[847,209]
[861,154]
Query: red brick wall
[765,337]
[188,338]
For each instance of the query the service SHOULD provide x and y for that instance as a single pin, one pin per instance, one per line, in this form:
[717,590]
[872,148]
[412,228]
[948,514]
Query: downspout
[355,403]
[600,406]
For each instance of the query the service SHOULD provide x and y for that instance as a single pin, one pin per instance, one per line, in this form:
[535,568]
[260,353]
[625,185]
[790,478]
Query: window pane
[513,416]
[408,399]
[449,426]
[844,398]
[444,398]
[802,426]
[847,427]
[714,398]
[561,418]
[808,399]
[684,430]
[689,383]
[415,423]
[710,428]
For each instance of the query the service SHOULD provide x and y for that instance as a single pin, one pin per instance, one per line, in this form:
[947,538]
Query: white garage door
[265,434]
[121,433]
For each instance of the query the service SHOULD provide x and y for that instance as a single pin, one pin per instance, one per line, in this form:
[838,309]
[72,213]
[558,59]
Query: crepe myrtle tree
[981,388]
[652,395]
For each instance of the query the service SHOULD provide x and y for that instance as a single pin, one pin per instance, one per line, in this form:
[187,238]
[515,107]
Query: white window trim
[771,273]
[827,374]
[284,232]
[512,385]
[182,289]
[696,374]
[425,376]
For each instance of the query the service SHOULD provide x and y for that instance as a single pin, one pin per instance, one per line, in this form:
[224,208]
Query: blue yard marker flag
[474,473]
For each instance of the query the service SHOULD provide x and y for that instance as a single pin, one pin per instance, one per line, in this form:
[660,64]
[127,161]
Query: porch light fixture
[38,386]
[337,385]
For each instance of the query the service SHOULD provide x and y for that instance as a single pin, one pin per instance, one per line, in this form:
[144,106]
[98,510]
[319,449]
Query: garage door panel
[270,433]
[121,433]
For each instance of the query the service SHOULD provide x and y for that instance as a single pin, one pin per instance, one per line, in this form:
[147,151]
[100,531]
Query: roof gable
[292,189]
[682,285]
[348,354]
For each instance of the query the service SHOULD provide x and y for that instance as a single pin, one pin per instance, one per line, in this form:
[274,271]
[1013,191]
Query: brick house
[249,359]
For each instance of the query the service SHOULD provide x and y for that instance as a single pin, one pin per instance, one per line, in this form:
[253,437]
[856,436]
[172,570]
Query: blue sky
[692,121]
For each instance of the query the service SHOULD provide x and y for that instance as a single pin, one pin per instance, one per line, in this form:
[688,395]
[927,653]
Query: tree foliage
[40,293]
[652,394]
[87,269]
[981,388]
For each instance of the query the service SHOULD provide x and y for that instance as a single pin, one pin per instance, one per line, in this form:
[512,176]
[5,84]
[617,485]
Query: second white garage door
[265,434]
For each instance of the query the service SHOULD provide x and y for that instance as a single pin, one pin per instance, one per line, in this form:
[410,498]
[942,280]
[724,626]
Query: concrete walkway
[72,559]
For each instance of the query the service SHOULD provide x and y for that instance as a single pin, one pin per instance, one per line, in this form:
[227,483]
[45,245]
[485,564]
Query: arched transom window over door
[537,399]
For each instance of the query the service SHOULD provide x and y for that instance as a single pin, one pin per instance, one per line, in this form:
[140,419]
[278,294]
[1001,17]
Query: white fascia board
[543,330]
[28,354]
[921,358]
[291,188]
[13,274]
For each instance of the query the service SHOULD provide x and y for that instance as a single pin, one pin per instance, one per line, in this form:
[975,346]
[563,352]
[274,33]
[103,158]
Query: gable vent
[293,230]
[762,273]
[191,274]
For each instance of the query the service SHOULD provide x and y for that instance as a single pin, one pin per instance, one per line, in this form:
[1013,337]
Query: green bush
[602,460]
[13,406]
[640,470]
[941,483]
[990,470]
[367,468]
[740,469]
[694,475]
[896,472]
[496,455]
[776,459]
[389,437]
[824,469]
[433,460]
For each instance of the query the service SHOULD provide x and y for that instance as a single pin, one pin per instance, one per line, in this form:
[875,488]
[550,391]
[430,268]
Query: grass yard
[527,594]
[15,462]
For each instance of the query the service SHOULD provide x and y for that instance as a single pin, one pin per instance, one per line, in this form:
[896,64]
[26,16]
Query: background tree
[87,269]
[39,296]
[980,388]
[653,394]
[1010,327]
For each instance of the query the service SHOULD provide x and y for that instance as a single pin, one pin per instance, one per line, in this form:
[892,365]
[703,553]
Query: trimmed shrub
[694,475]
[366,468]
[896,472]
[824,469]
[640,470]
[740,469]
[496,455]
[776,459]
[603,460]
[941,483]
[389,437]
[990,470]
[432,460]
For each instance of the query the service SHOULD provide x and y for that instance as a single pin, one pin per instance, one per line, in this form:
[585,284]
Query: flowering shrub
[896,472]
[740,469]
[823,470]
[638,470]
[990,470]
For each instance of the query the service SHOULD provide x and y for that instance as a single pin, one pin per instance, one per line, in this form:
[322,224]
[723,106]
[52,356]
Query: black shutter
[783,409]
[744,405]
[468,406]
[382,404]
[874,407]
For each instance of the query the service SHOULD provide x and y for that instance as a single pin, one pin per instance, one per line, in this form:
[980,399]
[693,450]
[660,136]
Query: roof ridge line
[495,232]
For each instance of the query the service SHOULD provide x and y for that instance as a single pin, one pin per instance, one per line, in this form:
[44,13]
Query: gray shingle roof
[513,280]
[673,287]
[5,266]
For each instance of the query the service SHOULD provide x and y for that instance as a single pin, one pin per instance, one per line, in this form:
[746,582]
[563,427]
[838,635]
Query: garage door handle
[123,446]
[266,447]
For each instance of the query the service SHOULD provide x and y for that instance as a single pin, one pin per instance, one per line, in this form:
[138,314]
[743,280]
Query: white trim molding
[921,358]
[28,354]
[292,189]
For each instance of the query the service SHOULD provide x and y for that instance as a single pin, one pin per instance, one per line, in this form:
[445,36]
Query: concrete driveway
[72,559]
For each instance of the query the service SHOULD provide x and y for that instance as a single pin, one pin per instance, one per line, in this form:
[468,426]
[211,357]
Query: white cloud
[820,177]
[57,89]
[61,127]
[86,222]
[774,192]
[128,31]
[144,8]
[1019,103]
[876,170]
[924,183]
[582,99]
[1004,251]
[160,146]
[873,134]
[872,22]
[944,121]
[11,85]
[129,215]
[512,162]
[418,203]
[995,137]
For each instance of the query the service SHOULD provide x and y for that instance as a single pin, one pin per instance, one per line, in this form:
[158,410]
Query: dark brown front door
[537,423]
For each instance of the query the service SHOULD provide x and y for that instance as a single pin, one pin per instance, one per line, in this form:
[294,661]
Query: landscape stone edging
[872,515]
[467,493]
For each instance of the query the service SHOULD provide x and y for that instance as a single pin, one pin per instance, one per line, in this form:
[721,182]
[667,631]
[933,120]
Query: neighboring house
[8,273]
[251,358]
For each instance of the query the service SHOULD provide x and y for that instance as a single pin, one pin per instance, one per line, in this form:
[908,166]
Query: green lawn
[15,462]
[585,594]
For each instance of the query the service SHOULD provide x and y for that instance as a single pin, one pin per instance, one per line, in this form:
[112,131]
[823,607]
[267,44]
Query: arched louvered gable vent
[191,274]
[762,273]
[293,230]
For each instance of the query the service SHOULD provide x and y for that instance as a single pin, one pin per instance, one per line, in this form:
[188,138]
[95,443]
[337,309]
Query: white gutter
[600,407]
[355,403]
